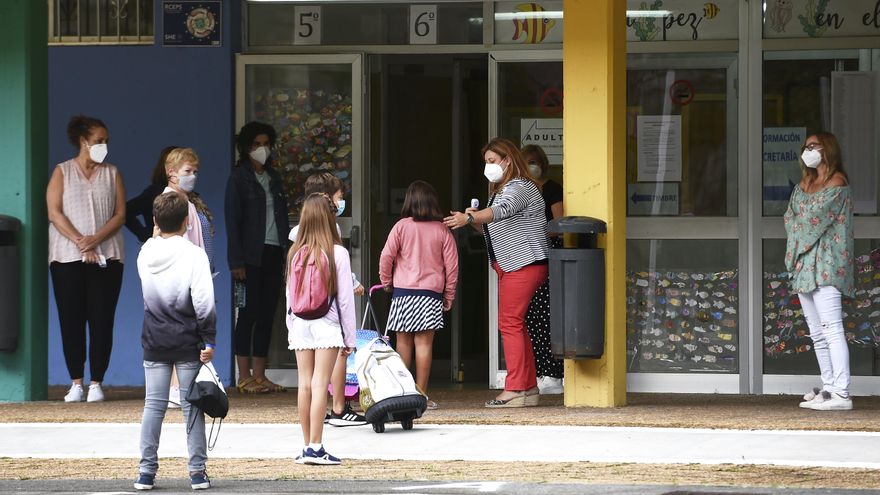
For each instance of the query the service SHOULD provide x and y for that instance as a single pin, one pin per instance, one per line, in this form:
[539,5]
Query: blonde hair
[178,156]
[317,233]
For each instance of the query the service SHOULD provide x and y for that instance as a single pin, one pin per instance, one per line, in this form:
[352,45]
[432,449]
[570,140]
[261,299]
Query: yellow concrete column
[594,67]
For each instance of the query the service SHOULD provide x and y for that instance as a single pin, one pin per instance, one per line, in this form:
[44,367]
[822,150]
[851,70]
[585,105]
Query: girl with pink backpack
[322,302]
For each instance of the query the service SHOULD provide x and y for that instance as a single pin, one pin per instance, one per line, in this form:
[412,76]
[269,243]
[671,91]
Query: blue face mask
[340,207]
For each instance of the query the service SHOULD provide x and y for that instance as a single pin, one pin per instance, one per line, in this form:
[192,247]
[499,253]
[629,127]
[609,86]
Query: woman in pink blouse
[86,204]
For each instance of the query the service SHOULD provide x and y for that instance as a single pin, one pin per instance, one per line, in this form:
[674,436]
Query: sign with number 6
[423,24]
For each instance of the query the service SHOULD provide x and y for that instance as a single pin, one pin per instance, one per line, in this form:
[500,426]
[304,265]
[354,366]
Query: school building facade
[683,122]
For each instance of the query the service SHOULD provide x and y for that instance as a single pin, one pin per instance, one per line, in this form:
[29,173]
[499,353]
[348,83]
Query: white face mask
[811,158]
[493,172]
[97,152]
[260,155]
[535,171]
[186,182]
[340,207]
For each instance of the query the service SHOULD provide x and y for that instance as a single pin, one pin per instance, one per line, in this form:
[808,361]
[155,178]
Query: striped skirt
[415,310]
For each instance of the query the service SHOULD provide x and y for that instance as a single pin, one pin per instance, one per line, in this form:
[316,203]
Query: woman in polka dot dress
[538,316]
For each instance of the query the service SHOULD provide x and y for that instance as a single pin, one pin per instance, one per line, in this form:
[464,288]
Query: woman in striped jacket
[514,226]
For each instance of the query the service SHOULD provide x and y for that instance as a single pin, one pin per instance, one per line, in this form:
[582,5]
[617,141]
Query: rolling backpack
[388,392]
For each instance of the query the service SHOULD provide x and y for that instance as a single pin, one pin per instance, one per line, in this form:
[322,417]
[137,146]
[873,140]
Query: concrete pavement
[466,442]
[303,487]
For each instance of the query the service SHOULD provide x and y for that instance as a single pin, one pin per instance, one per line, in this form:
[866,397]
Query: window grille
[101,22]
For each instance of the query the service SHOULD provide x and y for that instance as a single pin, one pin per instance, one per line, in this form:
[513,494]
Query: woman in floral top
[819,260]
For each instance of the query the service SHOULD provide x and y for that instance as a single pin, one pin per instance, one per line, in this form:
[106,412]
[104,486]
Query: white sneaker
[75,394]
[814,397]
[832,402]
[96,394]
[547,385]
[174,398]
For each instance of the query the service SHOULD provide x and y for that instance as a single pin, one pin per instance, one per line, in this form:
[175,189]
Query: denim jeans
[822,311]
[158,382]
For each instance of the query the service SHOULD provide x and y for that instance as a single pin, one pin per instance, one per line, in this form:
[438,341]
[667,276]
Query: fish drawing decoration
[532,25]
[710,10]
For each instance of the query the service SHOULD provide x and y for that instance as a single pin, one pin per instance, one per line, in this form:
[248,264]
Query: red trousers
[515,291]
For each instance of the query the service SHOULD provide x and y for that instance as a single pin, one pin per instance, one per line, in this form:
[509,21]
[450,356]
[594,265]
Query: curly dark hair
[248,133]
[80,126]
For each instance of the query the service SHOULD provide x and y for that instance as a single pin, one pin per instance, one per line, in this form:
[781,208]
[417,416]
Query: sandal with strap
[250,386]
[269,384]
[515,401]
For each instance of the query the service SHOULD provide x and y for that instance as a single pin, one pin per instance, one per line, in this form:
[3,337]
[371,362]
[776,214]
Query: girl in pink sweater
[419,265]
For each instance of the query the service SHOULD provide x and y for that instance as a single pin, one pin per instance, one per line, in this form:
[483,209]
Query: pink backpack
[313,299]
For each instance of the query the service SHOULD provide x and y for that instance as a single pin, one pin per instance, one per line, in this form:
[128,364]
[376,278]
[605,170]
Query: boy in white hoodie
[179,330]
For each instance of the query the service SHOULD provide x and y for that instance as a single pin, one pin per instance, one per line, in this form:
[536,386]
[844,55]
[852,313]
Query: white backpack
[381,374]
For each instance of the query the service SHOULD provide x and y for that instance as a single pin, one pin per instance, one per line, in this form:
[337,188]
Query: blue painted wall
[149,97]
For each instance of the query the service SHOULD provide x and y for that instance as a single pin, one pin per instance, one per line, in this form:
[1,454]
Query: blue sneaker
[199,481]
[301,458]
[145,481]
[320,456]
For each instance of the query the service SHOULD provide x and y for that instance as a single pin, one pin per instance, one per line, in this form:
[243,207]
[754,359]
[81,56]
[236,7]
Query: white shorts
[313,334]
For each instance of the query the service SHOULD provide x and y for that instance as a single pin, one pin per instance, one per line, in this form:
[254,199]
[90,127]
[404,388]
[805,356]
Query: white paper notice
[659,148]
[853,121]
[782,169]
[546,133]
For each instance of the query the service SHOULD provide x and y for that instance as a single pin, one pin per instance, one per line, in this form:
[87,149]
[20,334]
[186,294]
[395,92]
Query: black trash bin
[10,294]
[577,290]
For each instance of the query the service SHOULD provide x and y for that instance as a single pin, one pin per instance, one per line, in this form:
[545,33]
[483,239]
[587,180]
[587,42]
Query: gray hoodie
[178,290]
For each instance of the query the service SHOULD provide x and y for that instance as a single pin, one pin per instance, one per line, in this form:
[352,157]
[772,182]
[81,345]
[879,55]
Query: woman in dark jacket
[139,209]
[256,231]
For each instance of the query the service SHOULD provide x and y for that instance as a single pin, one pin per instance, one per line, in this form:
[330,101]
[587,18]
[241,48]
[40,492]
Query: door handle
[355,239]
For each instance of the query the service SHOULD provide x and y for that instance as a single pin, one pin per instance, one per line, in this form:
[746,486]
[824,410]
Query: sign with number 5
[307,25]
[423,24]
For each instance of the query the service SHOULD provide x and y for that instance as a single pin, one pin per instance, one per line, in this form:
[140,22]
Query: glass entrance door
[428,122]
[804,92]
[525,106]
[315,104]
[683,283]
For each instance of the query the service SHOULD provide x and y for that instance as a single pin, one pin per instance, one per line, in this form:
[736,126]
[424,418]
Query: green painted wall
[24,101]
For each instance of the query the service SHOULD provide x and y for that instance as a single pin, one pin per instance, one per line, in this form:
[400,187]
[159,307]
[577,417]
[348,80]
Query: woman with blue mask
[182,170]
[819,260]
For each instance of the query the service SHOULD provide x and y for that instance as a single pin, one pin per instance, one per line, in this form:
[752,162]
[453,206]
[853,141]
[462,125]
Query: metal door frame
[289,377]
[497,376]
[697,228]
[654,228]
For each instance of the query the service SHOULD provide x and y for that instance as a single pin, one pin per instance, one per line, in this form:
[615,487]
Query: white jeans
[824,317]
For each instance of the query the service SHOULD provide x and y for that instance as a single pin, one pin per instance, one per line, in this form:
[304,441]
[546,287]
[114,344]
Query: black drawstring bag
[207,394]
